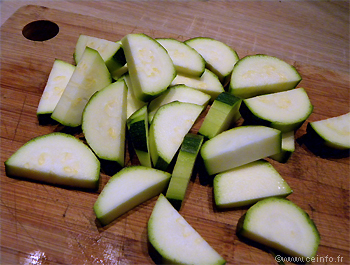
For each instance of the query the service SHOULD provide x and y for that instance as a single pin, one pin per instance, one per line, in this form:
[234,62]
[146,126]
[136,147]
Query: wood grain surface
[43,224]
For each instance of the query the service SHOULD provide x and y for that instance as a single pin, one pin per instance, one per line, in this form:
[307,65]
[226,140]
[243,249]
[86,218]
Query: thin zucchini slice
[180,93]
[288,147]
[285,111]
[138,130]
[239,146]
[223,113]
[186,60]
[58,79]
[208,83]
[150,67]
[111,52]
[219,57]
[89,76]
[170,125]
[282,225]
[247,184]
[332,132]
[127,189]
[183,169]
[261,74]
[104,122]
[133,103]
[58,159]
[176,240]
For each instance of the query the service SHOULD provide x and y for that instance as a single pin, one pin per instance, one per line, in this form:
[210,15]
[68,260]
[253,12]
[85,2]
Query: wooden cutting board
[43,224]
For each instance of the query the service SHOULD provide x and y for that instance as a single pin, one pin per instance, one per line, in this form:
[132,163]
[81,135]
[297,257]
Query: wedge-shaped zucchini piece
[111,52]
[208,83]
[138,130]
[247,184]
[186,60]
[150,67]
[58,79]
[127,189]
[223,113]
[169,126]
[285,111]
[239,146]
[261,74]
[288,147]
[176,240]
[180,93]
[104,122]
[282,225]
[219,57]
[133,103]
[89,76]
[183,169]
[332,132]
[58,159]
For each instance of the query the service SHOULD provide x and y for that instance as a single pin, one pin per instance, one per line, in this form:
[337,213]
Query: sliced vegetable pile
[155,90]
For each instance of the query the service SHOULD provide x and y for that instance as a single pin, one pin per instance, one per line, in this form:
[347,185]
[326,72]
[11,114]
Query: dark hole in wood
[40,30]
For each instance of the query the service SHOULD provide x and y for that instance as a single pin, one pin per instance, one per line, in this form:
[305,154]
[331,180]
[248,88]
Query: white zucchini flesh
[280,224]
[247,184]
[288,147]
[208,83]
[169,126]
[58,159]
[186,59]
[58,79]
[261,74]
[133,103]
[104,122]
[176,240]
[138,130]
[334,131]
[223,113]
[150,67]
[219,57]
[110,51]
[127,189]
[285,111]
[183,169]
[180,93]
[89,76]
[239,146]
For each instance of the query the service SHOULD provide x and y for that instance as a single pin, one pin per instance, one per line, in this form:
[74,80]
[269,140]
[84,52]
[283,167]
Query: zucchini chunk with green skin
[332,132]
[239,146]
[104,122]
[138,130]
[219,57]
[288,147]
[183,169]
[111,52]
[170,125]
[127,189]
[176,240]
[208,83]
[247,184]
[285,111]
[133,103]
[223,113]
[186,60]
[260,74]
[180,93]
[58,159]
[282,225]
[89,76]
[58,79]
[150,67]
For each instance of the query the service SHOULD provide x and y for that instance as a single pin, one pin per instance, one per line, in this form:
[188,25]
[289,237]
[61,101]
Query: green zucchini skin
[317,145]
